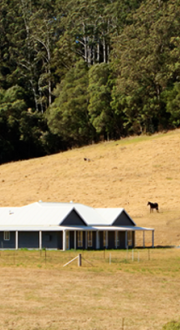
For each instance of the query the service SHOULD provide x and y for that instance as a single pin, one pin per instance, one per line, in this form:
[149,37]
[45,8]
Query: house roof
[41,215]
[111,214]
[33,215]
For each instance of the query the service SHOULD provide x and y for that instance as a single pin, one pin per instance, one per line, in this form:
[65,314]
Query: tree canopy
[73,72]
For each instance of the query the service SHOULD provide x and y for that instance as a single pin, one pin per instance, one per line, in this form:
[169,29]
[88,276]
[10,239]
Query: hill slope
[126,173]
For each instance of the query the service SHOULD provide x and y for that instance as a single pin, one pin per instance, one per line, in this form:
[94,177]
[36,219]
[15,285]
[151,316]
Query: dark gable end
[123,220]
[73,219]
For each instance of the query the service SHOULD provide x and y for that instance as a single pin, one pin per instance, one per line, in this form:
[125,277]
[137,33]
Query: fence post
[80,260]
[122,323]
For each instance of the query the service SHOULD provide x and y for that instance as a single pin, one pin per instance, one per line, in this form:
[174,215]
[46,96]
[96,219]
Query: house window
[6,235]
[129,238]
[80,238]
[90,238]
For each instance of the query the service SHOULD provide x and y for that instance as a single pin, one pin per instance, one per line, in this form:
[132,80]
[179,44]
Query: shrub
[173,325]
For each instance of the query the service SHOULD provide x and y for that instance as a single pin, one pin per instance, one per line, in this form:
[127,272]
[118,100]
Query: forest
[75,72]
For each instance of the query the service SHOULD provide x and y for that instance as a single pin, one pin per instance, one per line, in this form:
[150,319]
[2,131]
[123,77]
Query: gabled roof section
[123,220]
[116,217]
[88,214]
[73,219]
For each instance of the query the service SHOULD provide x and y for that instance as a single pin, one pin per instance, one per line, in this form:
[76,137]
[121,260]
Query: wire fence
[52,258]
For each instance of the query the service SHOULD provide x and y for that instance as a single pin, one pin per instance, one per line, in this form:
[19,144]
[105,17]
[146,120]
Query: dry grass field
[126,173]
[38,293]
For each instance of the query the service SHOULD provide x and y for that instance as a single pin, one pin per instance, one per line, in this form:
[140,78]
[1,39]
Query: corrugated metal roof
[111,214]
[90,215]
[33,214]
[42,215]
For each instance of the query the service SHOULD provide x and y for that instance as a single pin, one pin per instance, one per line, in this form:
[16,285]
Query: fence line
[38,257]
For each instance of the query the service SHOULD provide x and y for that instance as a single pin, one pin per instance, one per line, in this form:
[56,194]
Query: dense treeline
[76,71]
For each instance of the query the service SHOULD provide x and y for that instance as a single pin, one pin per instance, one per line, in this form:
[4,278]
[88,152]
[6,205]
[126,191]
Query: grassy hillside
[126,173]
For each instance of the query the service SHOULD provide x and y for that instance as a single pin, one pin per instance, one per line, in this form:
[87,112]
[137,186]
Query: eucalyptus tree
[140,63]
[12,105]
[10,26]
[23,133]
[87,29]
[43,26]
[171,98]
[40,25]
[28,38]
[68,115]
[101,115]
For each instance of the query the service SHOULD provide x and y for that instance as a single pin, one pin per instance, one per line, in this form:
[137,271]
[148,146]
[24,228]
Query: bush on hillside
[173,325]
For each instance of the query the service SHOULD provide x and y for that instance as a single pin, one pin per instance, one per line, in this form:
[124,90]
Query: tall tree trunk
[85,44]
[50,91]
[104,50]
[48,66]
[40,97]
[49,77]
[93,55]
[98,52]
[108,51]
[89,53]
[85,48]
[29,62]
[35,96]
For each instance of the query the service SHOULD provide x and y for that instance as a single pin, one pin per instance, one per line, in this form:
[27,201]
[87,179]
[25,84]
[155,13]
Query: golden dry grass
[38,295]
[126,173]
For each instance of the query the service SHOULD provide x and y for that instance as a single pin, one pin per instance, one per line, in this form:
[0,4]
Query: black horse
[153,206]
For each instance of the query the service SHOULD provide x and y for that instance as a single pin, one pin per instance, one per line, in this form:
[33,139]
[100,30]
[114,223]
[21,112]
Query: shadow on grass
[165,246]
[157,247]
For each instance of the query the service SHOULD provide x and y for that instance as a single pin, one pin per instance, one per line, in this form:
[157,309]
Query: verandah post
[116,235]
[75,240]
[97,240]
[40,240]
[16,240]
[64,240]
[126,245]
